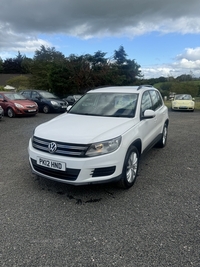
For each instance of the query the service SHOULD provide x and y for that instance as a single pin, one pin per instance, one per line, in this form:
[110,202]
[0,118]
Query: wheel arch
[9,107]
[138,144]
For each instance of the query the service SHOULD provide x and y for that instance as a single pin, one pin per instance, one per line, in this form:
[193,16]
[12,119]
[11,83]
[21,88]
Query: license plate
[52,164]
[64,106]
[31,110]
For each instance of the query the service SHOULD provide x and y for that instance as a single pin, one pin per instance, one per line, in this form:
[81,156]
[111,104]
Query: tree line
[50,70]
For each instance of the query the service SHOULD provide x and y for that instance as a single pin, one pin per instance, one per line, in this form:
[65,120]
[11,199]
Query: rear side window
[156,99]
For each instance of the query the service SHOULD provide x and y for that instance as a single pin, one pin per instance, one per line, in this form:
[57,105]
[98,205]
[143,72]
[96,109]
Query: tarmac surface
[155,223]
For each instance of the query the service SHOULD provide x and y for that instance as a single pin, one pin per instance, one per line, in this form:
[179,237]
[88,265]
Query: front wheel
[162,142]
[130,168]
[45,109]
[10,113]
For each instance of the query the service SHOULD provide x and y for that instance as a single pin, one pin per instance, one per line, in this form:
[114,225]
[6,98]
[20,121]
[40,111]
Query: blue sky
[162,36]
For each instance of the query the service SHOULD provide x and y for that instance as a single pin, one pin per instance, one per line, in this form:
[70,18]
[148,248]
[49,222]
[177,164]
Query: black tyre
[163,140]
[45,109]
[130,168]
[10,113]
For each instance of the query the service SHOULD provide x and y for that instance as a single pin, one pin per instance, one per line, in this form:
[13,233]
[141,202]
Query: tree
[185,88]
[43,62]
[128,70]
[14,65]
[120,56]
[1,65]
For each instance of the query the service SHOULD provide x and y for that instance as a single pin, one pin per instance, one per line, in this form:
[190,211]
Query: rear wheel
[130,168]
[10,113]
[162,142]
[45,109]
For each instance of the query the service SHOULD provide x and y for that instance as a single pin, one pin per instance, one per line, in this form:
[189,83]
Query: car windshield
[48,95]
[106,104]
[183,97]
[15,96]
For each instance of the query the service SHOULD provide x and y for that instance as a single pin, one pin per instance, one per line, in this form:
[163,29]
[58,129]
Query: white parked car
[101,138]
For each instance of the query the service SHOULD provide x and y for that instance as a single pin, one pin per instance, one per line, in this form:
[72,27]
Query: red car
[15,104]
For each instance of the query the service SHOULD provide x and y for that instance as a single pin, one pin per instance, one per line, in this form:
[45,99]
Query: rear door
[160,110]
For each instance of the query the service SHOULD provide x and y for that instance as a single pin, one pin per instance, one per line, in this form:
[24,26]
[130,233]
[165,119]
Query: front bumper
[25,112]
[183,107]
[78,171]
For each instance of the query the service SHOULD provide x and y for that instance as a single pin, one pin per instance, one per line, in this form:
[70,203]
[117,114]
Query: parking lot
[155,223]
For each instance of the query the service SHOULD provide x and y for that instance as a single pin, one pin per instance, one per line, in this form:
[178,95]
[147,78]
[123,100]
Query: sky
[163,37]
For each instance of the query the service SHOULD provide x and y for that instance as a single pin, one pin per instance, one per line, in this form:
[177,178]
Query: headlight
[18,105]
[54,103]
[104,147]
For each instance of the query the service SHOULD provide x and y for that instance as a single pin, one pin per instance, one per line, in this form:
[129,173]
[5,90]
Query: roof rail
[144,85]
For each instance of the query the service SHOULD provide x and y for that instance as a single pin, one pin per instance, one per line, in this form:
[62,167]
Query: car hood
[82,129]
[24,102]
[56,99]
[183,102]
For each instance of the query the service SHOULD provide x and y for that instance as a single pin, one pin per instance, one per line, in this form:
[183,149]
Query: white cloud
[190,54]
[186,63]
[23,21]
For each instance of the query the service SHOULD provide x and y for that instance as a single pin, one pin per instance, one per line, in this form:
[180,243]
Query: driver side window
[35,95]
[146,102]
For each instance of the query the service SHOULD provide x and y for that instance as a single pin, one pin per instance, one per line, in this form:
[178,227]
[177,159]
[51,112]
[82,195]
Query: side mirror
[68,108]
[149,114]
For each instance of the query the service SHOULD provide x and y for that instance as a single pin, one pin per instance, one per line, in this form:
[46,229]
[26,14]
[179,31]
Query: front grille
[28,112]
[103,171]
[63,104]
[63,149]
[69,174]
[31,106]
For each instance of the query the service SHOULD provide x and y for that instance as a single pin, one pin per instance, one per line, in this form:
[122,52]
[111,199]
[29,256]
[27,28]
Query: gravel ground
[155,223]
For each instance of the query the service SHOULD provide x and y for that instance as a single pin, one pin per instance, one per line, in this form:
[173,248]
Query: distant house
[8,87]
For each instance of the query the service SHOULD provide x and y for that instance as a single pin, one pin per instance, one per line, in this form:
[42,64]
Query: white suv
[101,137]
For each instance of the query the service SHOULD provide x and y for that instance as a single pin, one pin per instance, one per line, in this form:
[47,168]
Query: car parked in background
[15,104]
[102,136]
[47,102]
[71,99]
[1,113]
[183,102]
